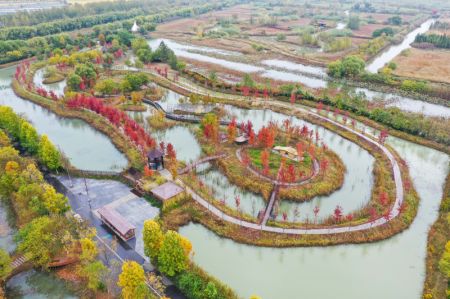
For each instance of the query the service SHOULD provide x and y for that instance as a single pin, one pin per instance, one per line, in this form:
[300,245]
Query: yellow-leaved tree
[132,281]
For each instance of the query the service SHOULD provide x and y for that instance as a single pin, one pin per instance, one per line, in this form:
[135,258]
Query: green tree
[172,258]
[9,172]
[153,239]
[212,76]
[35,240]
[247,81]
[162,53]
[29,138]
[4,140]
[353,22]
[55,203]
[211,291]
[133,82]
[350,66]
[353,66]
[91,269]
[10,121]
[335,69]
[107,86]
[139,43]
[85,71]
[73,81]
[396,20]
[108,60]
[209,119]
[281,37]
[444,262]
[48,154]
[144,55]
[93,273]
[132,281]
[386,31]
[5,264]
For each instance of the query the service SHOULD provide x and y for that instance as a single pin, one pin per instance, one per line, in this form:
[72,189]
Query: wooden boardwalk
[269,207]
[399,195]
[179,117]
[191,166]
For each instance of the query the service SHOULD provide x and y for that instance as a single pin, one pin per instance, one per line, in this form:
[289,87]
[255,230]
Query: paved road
[78,200]
[399,196]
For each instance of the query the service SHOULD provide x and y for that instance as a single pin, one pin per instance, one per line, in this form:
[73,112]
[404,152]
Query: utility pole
[66,165]
[87,192]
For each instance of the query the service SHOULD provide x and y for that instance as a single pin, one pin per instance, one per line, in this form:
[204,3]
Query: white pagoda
[135,27]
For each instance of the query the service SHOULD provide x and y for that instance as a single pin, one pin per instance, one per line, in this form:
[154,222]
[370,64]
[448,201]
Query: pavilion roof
[167,191]
[114,218]
[155,153]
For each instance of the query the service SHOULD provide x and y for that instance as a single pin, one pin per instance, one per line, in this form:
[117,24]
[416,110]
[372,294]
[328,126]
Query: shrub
[281,37]
[386,31]
[353,22]
[350,66]
[415,86]
[338,44]
[74,81]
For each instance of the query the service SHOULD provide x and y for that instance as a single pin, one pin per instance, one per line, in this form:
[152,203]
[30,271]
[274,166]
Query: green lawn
[275,162]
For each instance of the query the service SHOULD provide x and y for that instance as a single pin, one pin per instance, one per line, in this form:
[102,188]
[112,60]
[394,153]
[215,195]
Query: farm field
[431,65]
[312,32]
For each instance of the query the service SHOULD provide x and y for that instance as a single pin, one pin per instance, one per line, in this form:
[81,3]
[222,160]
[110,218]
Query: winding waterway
[390,269]
[57,88]
[86,148]
[395,50]
[354,193]
[310,76]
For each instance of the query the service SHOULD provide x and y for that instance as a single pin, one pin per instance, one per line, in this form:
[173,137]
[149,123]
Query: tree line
[438,40]
[43,29]
[145,17]
[26,18]
[17,49]
[36,145]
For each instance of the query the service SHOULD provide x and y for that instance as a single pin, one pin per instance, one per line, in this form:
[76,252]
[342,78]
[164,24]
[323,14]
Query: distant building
[135,28]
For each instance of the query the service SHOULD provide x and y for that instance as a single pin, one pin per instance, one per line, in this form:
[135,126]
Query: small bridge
[179,117]
[269,207]
[193,165]
[19,261]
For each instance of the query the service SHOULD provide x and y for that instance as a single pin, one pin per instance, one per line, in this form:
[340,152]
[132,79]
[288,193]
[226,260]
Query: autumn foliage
[117,117]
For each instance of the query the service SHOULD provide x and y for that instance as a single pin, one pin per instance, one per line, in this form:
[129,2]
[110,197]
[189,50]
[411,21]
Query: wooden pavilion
[155,159]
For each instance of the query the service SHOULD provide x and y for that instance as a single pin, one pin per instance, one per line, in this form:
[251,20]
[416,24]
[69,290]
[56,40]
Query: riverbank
[192,211]
[99,123]
[221,94]
[436,282]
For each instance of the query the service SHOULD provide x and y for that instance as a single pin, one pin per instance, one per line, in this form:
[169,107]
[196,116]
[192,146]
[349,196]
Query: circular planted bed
[301,178]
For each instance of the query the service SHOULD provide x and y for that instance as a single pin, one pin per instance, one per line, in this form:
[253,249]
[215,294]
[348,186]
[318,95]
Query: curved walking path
[316,169]
[399,196]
